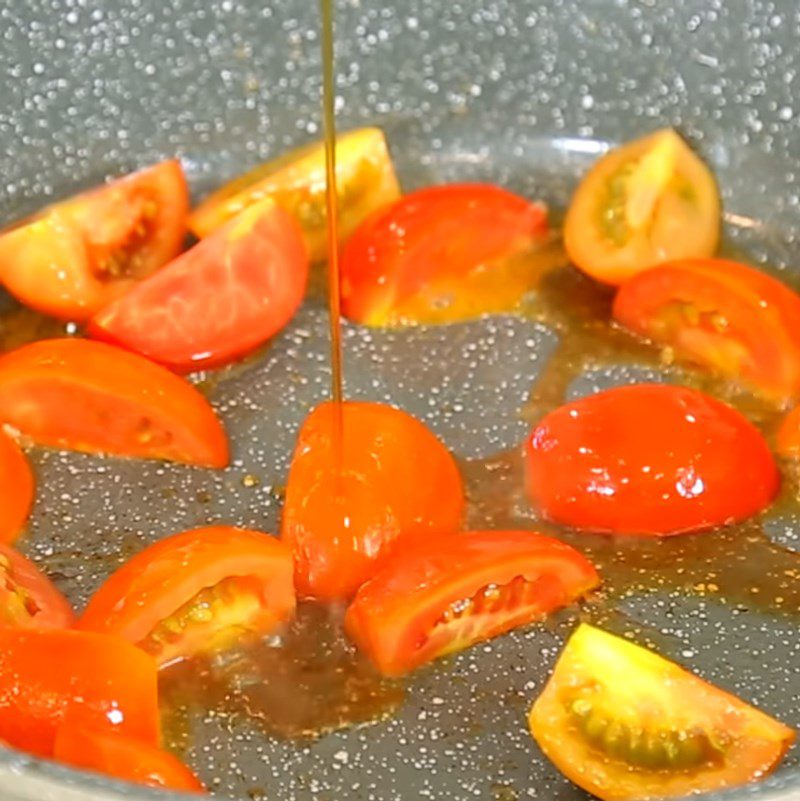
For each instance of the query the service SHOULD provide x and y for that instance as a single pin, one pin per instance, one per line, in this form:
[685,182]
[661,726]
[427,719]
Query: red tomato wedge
[76,256]
[432,241]
[788,439]
[195,591]
[649,459]
[125,758]
[76,678]
[226,296]
[442,595]
[89,396]
[28,599]
[16,489]
[397,481]
[722,314]
[647,202]
[625,724]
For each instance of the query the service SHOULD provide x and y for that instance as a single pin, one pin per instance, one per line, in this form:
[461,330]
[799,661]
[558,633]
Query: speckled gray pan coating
[519,91]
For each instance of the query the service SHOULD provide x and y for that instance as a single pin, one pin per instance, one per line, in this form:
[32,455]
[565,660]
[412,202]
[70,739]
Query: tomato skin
[397,482]
[17,487]
[124,758]
[54,677]
[722,314]
[681,218]
[159,580]
[365,179]
[788,437]
[636,687]
[700,464]
[433,234]
[226,296]
[394,615]
[23,585]
[77,255]
[89,396]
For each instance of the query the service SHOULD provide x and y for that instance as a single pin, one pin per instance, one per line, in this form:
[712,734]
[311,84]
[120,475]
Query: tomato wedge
[54,677]
[196,591]
[28,599]
[644,203]
[76,256]
[218,301]
[649,459]
[365,180]
[442,595]
[722,314]
[125,758]
[89,396]
[426,248]
[626,724]
[395,481]
[788,438]
[16,489]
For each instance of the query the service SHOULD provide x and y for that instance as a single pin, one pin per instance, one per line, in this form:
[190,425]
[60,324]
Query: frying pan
[521,92]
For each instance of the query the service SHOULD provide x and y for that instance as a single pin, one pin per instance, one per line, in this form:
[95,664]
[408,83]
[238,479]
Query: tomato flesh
[395,481]
[124,758]
[76,256]
[647,202]
[89,396]
[28,599]
[441,595]
[365,179]
[701,463]
[427,247]
[625,724]
[218,301]
[17,488]
[50,678]
[196,591]
[722,314]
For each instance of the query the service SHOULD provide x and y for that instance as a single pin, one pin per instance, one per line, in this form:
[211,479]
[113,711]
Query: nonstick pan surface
[520,92]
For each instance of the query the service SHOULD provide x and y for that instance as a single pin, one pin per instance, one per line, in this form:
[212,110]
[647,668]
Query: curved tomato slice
[195,591]
[76,256]
[395,480]
[426,248]
[28,599]
[89,396]
[125,758]
[649,459]
[218,301]
[644,203]
[442,595]
[721,314]
[62,677]
[788,438]
[16,489]
[365,181]
[625,724]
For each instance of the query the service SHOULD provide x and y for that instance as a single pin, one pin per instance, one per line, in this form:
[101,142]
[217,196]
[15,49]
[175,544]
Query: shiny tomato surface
[394,481]
[649,459]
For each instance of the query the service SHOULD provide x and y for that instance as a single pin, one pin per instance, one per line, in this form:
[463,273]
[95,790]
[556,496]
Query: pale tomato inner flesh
[16,605]
[211,620]
[702,334]
[115,230]
[492,610]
